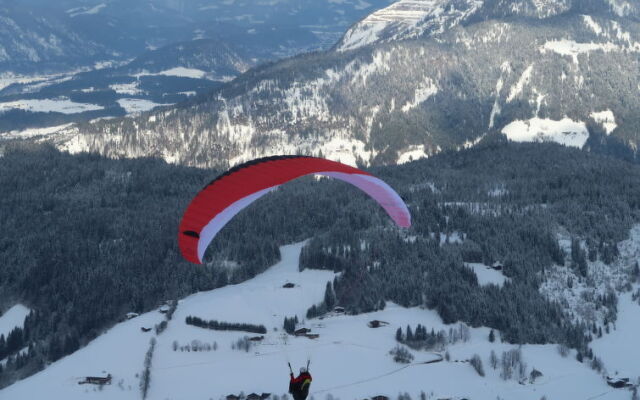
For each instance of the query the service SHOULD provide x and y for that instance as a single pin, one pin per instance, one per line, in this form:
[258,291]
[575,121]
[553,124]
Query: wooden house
[96,380]
[301,331]
[377,324]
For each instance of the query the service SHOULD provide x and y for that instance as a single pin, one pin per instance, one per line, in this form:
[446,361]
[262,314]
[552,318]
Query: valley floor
[349,360]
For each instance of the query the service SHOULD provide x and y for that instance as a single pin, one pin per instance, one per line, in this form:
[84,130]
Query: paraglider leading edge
[224,197]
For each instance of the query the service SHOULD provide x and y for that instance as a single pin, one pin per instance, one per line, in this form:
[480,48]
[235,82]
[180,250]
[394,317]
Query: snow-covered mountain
[39,36]
[349,359]
[408,19]
[27,39]
[468,69]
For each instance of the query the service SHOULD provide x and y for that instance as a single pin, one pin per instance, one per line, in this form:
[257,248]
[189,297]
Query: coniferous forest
[88,239]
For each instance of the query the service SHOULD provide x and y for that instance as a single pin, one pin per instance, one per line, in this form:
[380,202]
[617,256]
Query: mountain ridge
[405,99]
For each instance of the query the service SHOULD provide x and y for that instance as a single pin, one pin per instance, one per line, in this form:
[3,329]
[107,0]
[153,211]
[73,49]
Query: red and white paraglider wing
[227,195]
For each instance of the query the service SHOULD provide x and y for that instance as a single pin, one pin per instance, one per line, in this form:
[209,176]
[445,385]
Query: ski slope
[348,361]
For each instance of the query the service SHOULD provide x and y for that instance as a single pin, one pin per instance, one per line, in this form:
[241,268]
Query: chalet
[254,396]
[145,329]
[301,331]
[97,380]
[377,324]
[164,309]
[256,338]
[131,315]
[498,266]
[289,285]
[338,310]
[233,397]
[618,383]
[312,335]
[379,397]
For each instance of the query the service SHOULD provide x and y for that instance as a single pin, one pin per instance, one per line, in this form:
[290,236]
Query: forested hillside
[94,238]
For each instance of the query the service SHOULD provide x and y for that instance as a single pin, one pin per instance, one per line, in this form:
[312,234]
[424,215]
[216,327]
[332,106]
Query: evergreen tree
[399,337]
[3,347]
[493,360]
[329,297]
[492,336]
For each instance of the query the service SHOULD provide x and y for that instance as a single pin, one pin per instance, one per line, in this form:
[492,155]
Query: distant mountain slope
[40,36]
[28,38]
[218,58]
[564,76]
[407,19]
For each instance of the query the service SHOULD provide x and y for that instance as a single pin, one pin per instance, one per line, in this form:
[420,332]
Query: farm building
[618,383]
[96,380]
[377,324]
[301,331]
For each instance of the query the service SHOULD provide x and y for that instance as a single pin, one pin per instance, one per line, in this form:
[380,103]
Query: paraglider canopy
[228,194]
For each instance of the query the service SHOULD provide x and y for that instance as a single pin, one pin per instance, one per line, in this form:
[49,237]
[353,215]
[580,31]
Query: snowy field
[132,106]
[348,361]
[61,105]
[13,318]
[487,275]
[619,350]
[181,72]
[565,131]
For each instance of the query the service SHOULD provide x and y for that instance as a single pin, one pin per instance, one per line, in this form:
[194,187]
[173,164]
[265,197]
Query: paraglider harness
[299,387]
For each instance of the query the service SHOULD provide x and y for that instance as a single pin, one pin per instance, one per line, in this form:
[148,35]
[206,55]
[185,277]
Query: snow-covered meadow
[349,360]
[13,318]
[61,105]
